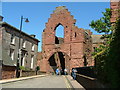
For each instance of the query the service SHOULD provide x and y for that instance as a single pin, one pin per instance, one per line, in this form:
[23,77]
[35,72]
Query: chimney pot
[33,35]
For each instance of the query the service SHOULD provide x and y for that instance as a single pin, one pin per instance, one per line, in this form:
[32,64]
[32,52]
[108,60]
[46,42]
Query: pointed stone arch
[61,16]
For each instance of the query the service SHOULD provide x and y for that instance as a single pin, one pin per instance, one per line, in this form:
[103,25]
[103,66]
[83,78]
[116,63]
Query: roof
[4,23]
[97,39]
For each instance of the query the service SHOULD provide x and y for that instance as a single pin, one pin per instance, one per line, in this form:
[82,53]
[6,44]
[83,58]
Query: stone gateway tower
[74,50]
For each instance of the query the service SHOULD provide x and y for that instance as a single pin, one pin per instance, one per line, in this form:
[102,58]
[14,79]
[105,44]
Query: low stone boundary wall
[88,82]
[8,72]
[30,73]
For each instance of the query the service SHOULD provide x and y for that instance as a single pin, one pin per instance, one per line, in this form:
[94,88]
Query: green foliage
[100,65]
[37,68]
[22,68]
[98,50]
[102,25]
[108,62]
[113,63]
[107,56]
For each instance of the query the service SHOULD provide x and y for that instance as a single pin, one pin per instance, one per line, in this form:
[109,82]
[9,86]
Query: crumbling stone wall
[75,42]
[88,49]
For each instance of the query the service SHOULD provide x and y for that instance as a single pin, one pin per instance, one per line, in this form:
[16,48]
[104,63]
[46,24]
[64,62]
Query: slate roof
[5,57]
[4,23]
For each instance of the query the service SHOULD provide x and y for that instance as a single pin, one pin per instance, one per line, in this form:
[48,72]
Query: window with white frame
[12,54]
[33,47]
[23,61]
[24,44]
[23,57]
[12,39]
[32,61]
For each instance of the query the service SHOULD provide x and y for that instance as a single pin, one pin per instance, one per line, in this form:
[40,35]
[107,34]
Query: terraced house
[9,48]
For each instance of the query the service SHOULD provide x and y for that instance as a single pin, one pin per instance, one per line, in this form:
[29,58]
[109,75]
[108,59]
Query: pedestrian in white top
[65,71]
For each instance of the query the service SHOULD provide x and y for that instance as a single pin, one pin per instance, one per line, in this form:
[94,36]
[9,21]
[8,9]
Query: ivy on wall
[107,61]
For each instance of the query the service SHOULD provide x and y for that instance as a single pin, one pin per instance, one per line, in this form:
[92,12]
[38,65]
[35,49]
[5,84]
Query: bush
[22,68]
[37,68]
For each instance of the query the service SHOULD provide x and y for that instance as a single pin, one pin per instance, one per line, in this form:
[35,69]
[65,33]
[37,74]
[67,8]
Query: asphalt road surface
[41,82]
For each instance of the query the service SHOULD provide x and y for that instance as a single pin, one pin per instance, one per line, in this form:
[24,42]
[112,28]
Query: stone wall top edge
[114,0]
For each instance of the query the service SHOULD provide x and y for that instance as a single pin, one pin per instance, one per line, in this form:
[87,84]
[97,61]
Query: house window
[12,54]
[24,44]
[33,47]
[23,56]
[32,58]
[23,61]
[12,39]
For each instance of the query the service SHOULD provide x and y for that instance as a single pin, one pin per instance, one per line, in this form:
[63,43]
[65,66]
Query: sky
[58,0]
[39,12]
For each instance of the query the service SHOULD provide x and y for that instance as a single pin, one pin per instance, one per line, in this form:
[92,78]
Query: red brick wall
[115,7]
[8,72]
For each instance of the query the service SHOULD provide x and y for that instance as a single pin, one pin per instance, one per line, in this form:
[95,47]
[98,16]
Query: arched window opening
[75,34]
[59,35]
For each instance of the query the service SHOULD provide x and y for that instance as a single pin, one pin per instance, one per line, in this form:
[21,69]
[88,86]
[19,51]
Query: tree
[107,62]
[113,61]
[103,25]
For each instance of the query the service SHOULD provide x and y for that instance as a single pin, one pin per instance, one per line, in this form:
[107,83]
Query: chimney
[1,18]
[32,35]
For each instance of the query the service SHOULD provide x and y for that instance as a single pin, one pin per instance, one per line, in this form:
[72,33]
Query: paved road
[41,82]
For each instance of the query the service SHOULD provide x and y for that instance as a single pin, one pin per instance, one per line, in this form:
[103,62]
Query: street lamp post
[19,49]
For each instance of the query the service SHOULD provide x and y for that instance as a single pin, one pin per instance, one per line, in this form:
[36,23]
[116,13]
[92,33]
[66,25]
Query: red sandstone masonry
[74,38]
[115,8]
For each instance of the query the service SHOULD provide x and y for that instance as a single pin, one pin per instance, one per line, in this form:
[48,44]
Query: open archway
[58,60]
[52,62]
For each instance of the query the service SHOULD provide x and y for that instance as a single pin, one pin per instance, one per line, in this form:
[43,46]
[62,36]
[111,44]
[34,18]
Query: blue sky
[39,12]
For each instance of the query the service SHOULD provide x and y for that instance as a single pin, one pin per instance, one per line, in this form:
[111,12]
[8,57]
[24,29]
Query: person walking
[74,72]
[65,71]
[57,71]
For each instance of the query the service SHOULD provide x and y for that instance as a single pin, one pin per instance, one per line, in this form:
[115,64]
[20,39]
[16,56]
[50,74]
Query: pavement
[69,82]
[74,83]
[19,79]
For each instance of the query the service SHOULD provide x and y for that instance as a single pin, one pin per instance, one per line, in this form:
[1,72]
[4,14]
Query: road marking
[67,84]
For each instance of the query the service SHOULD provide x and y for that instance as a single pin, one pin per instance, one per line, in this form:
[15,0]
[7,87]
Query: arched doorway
[52,62]
[59,60]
